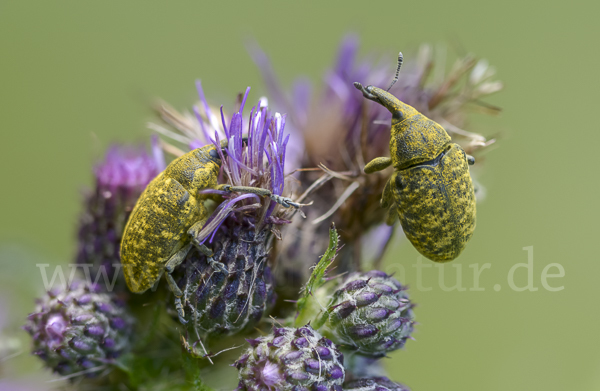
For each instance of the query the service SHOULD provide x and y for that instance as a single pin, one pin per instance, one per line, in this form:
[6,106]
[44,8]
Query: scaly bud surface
[79,329]
[291,359]
[369,312]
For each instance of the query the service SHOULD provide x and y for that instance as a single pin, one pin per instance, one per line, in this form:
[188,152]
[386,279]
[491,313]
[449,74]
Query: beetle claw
[180,312]
[217,266]
[285,201]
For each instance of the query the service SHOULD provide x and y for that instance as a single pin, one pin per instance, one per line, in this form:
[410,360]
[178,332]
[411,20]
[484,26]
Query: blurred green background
[76,76]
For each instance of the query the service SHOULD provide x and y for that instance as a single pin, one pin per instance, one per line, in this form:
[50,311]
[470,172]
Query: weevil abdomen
[158,225]
[158,230]
[436,204]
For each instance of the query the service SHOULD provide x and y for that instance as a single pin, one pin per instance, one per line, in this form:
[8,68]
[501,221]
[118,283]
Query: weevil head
[214,155]
[225,144]
[400,110]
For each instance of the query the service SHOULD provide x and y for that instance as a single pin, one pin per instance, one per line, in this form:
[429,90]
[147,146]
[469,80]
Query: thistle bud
[374,384]
[291,359]
[218,303]
[369,312]
[79,329]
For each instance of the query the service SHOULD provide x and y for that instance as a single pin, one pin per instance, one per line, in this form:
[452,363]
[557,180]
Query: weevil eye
[214,154]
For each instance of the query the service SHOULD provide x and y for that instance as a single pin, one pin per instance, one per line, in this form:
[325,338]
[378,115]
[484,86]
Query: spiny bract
[291,359]
[219,304]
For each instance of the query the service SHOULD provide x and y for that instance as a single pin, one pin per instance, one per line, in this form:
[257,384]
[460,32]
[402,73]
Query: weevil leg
[392,215]
[470,160]
[283,201]
[388,200]
[172,263]
[180,311]
[194,231]
[377,164]
[387,197]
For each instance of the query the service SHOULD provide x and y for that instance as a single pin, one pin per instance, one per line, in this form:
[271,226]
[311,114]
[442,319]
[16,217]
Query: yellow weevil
[431,189]
[169,215]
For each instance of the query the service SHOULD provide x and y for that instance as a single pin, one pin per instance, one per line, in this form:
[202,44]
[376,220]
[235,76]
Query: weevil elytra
[168,217]
[431,189]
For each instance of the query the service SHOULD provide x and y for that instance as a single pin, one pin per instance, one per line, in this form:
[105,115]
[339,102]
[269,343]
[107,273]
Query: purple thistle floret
[339,104]
[119,180]
[129,167]
[259,163]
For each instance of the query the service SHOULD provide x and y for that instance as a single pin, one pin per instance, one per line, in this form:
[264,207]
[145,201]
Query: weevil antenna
[400,59]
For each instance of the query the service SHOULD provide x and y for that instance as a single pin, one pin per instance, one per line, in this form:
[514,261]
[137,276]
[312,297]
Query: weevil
[169,215]
[431,189]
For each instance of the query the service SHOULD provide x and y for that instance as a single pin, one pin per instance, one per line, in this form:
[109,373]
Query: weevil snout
[366,91]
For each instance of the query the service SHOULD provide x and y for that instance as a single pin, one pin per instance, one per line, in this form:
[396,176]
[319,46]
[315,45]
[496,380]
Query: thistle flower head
[369,312]
[374,384]
[128,167]
[239,232]
[119,180]
[252,151]
[254,157]
[291,359]
[79,329]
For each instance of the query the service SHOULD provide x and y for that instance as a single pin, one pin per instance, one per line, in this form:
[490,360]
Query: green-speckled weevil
[431,189]
[169,215]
